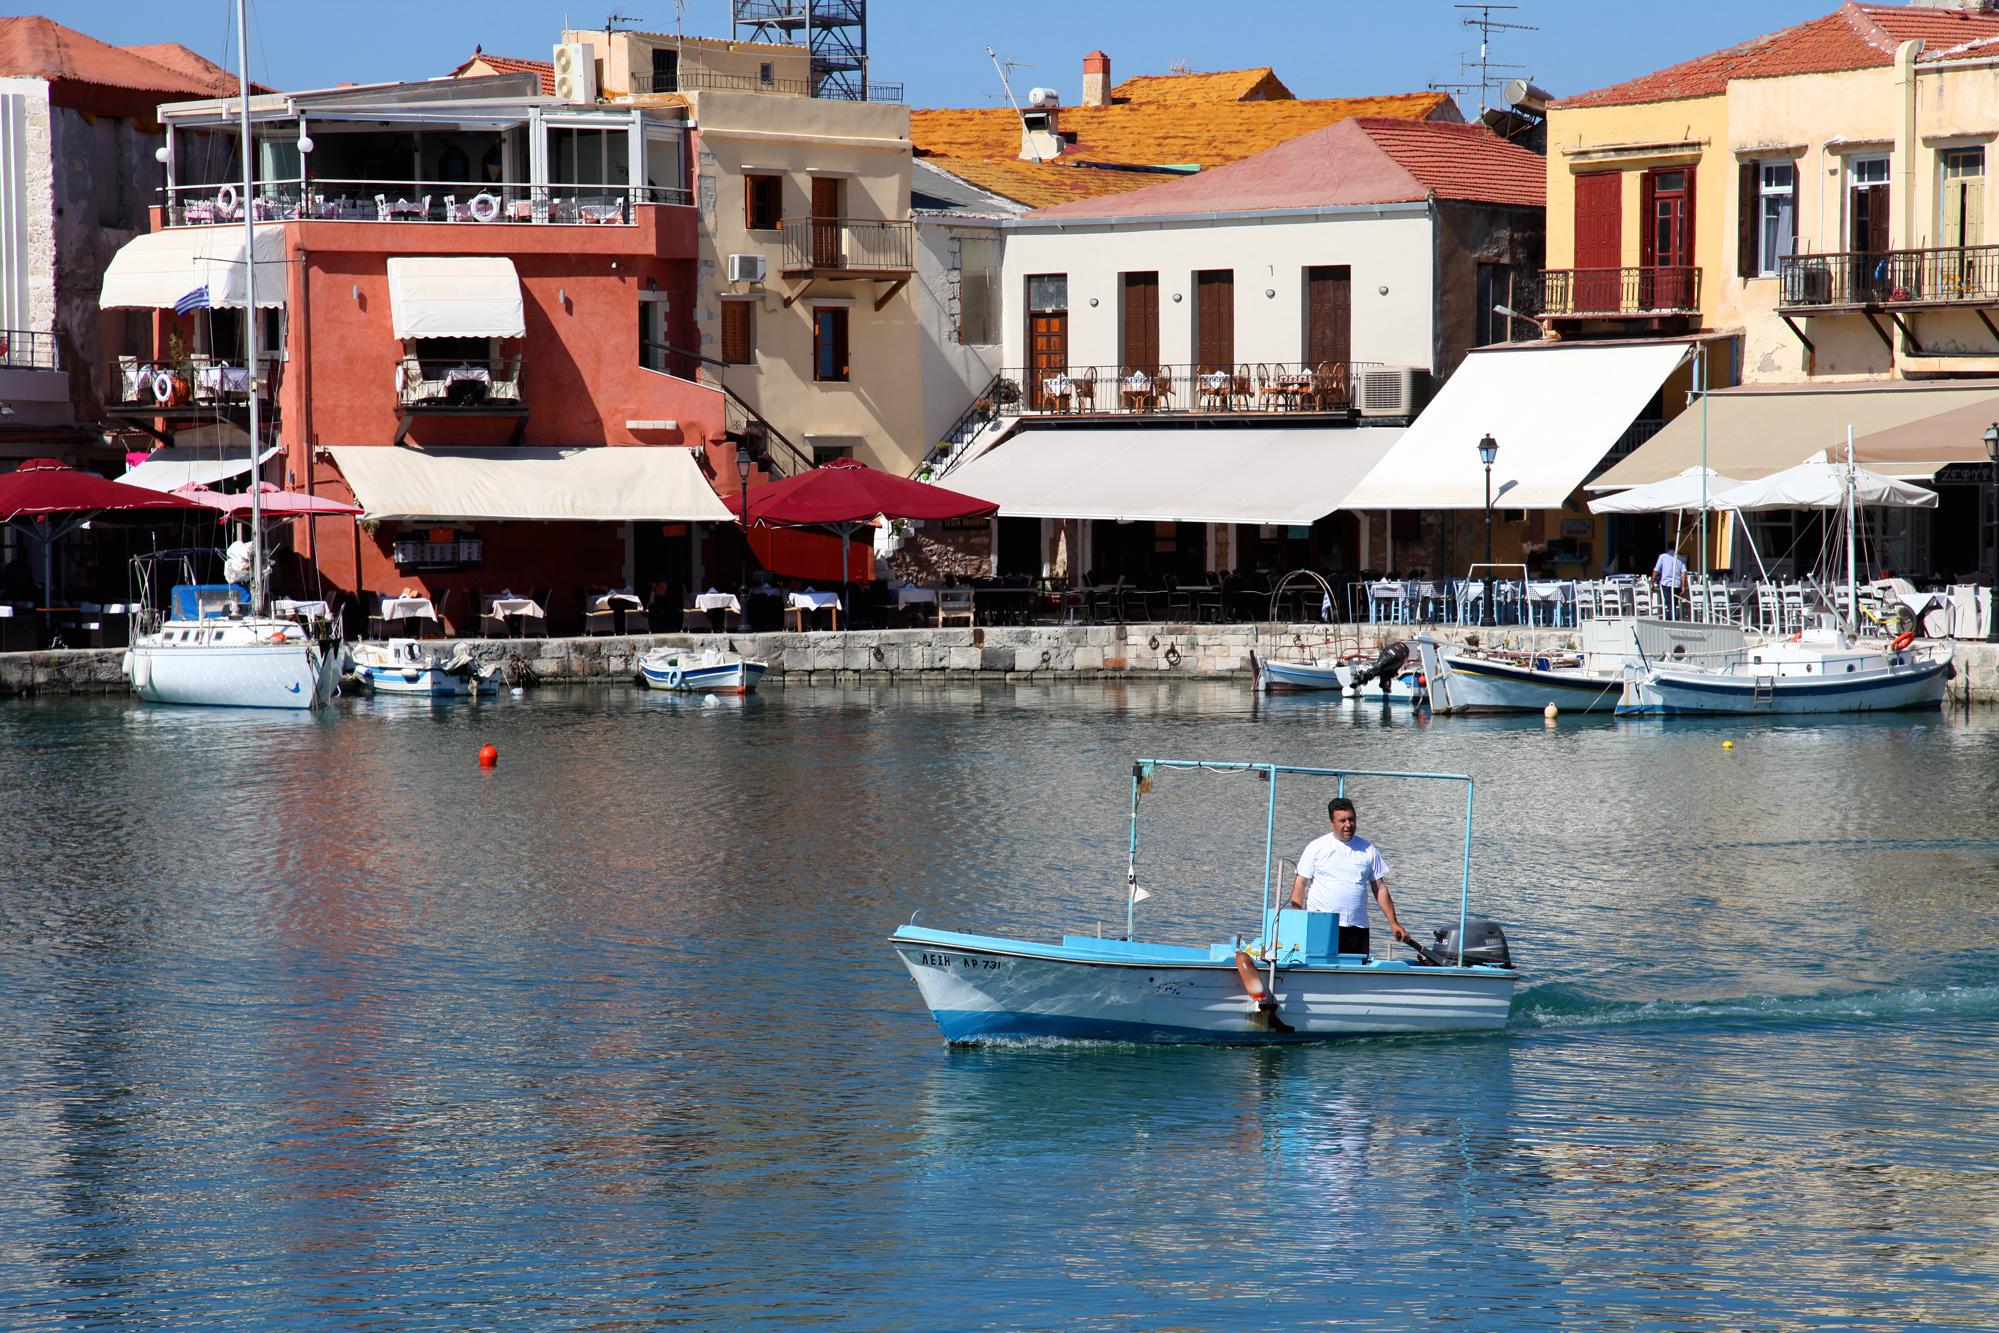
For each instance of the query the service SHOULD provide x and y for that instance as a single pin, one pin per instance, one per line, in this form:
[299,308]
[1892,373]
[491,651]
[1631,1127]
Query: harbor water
[309,1022]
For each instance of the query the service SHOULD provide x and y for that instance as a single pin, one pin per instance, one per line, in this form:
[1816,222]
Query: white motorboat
[408,666]
[704,672]
[1820,670]
[1386,677]
[1461,678]
[1289,984]
[211,651]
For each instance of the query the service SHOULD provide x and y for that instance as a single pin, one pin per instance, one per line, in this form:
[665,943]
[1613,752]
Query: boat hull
[1477,685]
[1662,691]
[736,677]
[1282,676]
[980,988]
[428,681]
[294,674]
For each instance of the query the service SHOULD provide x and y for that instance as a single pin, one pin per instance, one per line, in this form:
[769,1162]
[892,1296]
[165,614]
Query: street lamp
[1992,612]
[1488,450]
[744,463]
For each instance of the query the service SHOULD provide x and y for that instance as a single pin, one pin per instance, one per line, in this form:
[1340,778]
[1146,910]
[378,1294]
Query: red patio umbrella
[844,493]
[274,502]
[44,489]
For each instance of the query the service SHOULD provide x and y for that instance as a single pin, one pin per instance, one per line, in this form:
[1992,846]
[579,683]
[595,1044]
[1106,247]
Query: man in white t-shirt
[1671,573]
[1338,872]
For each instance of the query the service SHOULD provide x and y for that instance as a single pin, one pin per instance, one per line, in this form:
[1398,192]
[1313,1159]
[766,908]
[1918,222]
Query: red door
[1668,243]
[1599,244]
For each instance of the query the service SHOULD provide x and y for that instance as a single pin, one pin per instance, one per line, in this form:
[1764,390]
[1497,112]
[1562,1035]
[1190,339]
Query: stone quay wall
[1018,653]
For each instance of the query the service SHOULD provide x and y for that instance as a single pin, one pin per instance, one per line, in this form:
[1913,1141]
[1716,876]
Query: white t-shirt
[1340,875]
[1669,569]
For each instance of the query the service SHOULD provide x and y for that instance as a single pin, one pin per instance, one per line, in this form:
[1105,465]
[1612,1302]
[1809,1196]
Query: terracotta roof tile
[511,65]
[1367,160]
[1039,185]
[42,48]
[1854,36]
[1232,85]
[192,66]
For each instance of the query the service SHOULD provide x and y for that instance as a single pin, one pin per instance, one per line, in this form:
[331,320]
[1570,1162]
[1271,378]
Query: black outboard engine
[1385,666]
[1485,943]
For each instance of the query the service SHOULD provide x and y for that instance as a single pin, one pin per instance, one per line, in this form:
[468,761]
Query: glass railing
[333,200]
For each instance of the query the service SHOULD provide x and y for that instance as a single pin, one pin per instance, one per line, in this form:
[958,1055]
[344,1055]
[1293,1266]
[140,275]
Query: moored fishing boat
[1288,984]
[1387,676]
[1820,670]
[1463,678]
[703,672]
[406,666]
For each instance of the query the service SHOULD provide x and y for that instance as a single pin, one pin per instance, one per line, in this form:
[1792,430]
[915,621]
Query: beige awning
[1902,429]
[157,270]
[590,484]
[1555,411]
[173,466]
[469,296]
[1292,476]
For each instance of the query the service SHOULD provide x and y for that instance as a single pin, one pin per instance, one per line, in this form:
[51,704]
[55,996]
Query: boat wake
[1556,1006]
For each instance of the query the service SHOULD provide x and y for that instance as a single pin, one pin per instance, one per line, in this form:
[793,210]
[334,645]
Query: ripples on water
[310,1023]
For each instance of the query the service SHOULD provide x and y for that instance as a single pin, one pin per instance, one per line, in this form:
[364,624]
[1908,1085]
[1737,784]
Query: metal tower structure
[835,31]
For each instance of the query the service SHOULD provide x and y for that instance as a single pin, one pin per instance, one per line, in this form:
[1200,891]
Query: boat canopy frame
[1143,770]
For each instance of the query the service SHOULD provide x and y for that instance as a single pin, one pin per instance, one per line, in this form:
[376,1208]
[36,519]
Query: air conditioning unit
[1393,391]
[575,72]
[746,268]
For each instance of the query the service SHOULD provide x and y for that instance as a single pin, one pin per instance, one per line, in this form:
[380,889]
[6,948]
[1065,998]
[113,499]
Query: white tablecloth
[514,606]
[403,608]
[1546,592]
[610,601]
[223,379]
[718,601]
[476,374]
[287,606]
[814,601]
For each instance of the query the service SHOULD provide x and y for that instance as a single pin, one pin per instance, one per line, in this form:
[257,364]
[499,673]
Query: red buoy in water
[489,755]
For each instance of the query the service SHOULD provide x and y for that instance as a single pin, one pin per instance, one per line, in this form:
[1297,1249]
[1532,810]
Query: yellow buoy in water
[1728,745]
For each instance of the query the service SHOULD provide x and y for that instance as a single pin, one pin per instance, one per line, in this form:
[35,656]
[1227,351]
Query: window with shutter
[1139,334]
[739,332]
[829,343]
[1214,319]
[763,201]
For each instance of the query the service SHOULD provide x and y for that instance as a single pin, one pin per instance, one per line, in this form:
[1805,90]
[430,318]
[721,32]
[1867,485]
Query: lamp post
[743,465]
[1488,450]
[1992,613]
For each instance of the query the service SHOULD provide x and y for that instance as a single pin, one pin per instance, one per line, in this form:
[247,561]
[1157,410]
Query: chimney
[1096,79]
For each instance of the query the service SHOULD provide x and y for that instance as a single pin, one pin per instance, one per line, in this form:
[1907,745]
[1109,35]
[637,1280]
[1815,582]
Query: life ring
[225,199]
[484,207]
[1902,640]
[163,388]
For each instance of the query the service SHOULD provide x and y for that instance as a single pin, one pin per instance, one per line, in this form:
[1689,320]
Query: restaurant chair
[595,621]
[1330,390]
[956,604]
[1083,384]
[378,624]
[537,626]
[638,621]
[694,620]
[492,625]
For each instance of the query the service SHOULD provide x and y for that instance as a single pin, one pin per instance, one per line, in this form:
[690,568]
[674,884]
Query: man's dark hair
[1339,803]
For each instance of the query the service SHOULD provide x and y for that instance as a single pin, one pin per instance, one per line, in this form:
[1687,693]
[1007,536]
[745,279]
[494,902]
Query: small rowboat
[406,666]
[707,672]
[1289,984]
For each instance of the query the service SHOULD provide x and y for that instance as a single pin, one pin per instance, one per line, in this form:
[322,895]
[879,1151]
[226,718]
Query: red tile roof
[38,47]
[510,65]
[1368,160]
[193,66]
[1854,36]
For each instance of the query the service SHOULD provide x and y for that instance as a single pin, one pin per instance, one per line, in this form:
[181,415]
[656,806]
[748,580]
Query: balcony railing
[825,246]
[1614,292]
[1269,388]
[21,349]
[712,80]
[327,200]
[1965,274]
[460,386]
[188,383]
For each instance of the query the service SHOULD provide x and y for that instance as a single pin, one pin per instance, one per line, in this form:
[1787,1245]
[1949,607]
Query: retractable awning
[590,484]
[1904,429]
[1292,476]
[474,296]
[175,466]
[1554,411]
[158,270]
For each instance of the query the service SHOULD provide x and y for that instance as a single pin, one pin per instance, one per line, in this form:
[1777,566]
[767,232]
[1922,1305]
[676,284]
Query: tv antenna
[1487,25]
[612,19]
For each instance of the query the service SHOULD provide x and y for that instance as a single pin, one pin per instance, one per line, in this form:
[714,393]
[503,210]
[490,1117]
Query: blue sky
[1321,48]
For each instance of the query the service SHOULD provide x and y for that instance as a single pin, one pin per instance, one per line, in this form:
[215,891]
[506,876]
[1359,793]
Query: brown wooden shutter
[1214,319]
[1688,229]
[1328,315]
[1141,321]
[840,348]
[737,342]
[1748,228]
[1648,223]
[1599,230]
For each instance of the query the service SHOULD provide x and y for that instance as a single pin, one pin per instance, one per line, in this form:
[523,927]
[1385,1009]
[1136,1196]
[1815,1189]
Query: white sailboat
[216,645]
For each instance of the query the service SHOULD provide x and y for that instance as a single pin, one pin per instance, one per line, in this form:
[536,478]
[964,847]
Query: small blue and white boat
[1289,984]
[1382,679]
[406,666]
[705,672]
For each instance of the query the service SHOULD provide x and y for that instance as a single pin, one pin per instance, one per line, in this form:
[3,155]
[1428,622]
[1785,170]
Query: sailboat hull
[295,674]
[1664,692]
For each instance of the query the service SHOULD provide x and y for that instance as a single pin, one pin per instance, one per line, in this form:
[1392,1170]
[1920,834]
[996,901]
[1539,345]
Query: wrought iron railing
[1646,290]
[823,244]
[22,349]
[196,380]
[457,385]
[740,421]
[1275,388]
[330,200]
[1936,276]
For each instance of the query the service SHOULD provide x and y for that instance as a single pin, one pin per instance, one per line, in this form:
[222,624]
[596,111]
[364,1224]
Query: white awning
[476,296]
[157,270]
[1555,411]
[175,466]
[1293,476]
[592,484]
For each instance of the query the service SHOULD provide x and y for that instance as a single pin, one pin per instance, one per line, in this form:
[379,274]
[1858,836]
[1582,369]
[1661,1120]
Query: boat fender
[1903,640]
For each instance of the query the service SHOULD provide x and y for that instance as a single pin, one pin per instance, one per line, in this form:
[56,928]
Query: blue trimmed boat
[705,672]
[1289,984]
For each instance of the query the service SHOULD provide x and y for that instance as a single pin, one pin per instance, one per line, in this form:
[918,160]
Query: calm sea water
[312,1024]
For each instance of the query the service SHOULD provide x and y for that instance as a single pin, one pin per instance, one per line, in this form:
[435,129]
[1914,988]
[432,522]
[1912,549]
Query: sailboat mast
[1852,581]
[250,310]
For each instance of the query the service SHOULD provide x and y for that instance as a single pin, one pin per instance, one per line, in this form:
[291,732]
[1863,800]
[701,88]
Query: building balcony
[189,388]
[24,350]
[1964,276]
[712,80]
[846,248]
[328,200]
[1271,389]
[459,388]
[1645,292]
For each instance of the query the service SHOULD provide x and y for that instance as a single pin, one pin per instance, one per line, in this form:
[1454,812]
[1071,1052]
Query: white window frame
[1766,261]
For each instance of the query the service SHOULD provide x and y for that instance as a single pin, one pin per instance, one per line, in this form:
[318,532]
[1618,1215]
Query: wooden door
[1140,334]
[1047,352]
[1599,242]
[1667,246]
[1214,320]
[1868,215]
[1328,315]
[825,222]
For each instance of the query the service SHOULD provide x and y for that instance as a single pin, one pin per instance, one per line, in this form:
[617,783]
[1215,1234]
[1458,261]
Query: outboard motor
[1385,666]
[1485,943]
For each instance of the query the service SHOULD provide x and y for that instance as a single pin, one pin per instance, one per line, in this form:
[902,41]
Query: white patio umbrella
[1819,484]
[1672,495]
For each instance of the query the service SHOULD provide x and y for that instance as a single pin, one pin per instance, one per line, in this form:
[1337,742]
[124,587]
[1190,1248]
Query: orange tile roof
[512,65]
[1854,36]
[193,66]
[1041,184]
[1366,160]
[1230,85]
[38,47]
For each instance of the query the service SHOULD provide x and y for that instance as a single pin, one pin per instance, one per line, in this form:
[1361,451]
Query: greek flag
[194,300]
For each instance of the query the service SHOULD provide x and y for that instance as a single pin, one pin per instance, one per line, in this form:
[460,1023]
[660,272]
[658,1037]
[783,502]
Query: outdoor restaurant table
[223,379]
[310,609]
[718,601]
[802,604]
[618,602]
[518,610]
[1551,593]
[407,609]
